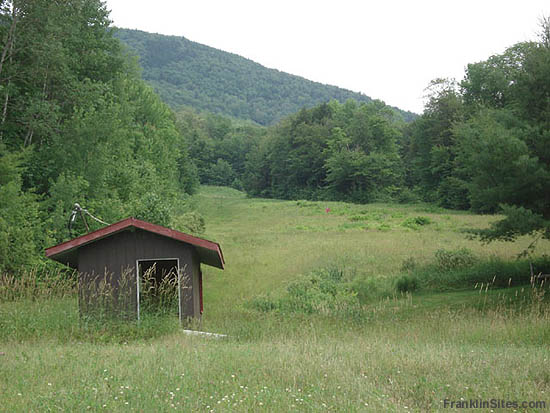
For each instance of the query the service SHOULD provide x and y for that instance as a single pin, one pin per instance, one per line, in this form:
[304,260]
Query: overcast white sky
[387,49]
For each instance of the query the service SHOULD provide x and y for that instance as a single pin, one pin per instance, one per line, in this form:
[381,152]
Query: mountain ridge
[187,73]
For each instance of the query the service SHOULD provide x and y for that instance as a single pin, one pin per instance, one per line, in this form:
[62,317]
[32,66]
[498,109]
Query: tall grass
[461,270]
[402,356]
[401,351]
[37,284]
[159,296]
[38,305]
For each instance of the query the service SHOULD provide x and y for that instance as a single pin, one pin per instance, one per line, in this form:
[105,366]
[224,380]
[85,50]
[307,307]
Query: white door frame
[138,280]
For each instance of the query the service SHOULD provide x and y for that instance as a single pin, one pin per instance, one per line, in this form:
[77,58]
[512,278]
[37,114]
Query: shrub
[371,289]
[324,291]
[190,222]
[406,284]
[416,222]
[264,303]
[497,272]
[237,184]
[447,260]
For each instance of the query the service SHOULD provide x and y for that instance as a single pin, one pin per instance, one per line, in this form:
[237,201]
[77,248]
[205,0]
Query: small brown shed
[121,253]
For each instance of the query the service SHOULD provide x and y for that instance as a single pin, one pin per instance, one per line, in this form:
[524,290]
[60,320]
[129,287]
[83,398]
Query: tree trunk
[9,41]
[5,108]
[28,138]
[7,51]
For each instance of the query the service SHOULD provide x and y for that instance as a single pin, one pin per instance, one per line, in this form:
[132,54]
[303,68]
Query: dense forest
[78,124]
[186,73]
[482,144]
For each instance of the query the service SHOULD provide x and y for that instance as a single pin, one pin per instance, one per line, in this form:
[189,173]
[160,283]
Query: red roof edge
[133,222]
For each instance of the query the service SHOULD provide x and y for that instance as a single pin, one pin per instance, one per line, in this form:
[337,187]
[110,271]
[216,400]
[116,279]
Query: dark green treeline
[482,144]
[77,124]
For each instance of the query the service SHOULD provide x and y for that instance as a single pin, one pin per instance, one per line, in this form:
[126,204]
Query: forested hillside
[481,144]
[77,124]
[188,73]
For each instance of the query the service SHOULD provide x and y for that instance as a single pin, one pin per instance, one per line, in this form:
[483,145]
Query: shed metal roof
[209,252]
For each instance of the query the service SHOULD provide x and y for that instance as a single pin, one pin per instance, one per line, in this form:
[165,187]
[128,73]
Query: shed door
[158,286]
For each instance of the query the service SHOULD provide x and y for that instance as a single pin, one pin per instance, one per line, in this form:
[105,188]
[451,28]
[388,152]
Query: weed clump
[416,222]
[370,289]
[406,284]
[325,291]
[447,260]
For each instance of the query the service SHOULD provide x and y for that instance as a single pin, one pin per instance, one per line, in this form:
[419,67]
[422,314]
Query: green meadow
[327,306]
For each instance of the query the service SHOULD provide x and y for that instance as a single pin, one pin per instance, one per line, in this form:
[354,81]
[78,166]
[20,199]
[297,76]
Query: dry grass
[37,284]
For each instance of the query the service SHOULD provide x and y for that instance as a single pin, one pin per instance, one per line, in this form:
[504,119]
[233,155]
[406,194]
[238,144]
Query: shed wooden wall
[116,256]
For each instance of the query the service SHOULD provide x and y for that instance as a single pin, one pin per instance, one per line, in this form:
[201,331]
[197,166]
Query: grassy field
[393,352]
